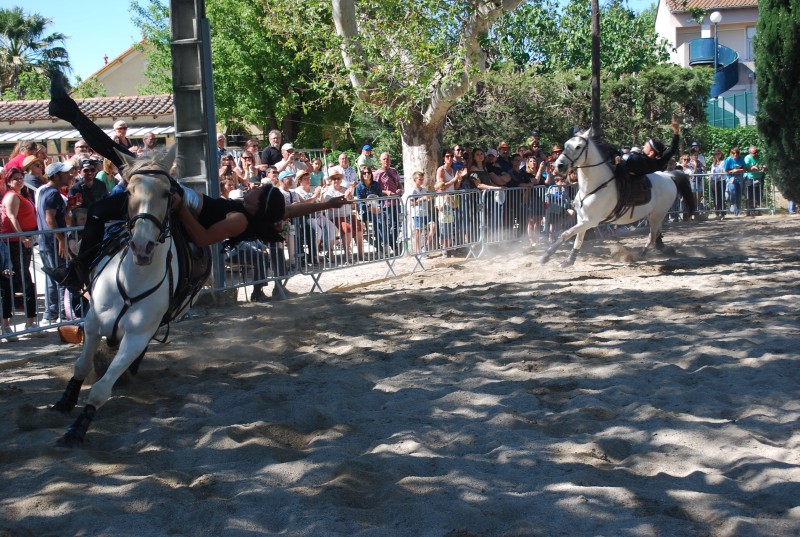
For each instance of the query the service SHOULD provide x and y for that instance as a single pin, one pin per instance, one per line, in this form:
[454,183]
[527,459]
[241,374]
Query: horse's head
[149,199]
[575,153]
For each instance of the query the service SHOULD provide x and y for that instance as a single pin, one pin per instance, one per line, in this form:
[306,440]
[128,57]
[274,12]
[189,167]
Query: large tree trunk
[422,147]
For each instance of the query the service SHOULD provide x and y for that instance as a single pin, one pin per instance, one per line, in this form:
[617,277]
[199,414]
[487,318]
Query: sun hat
[29,161]
[503,145]
[58,167]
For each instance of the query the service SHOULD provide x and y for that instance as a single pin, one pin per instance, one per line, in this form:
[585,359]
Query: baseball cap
[235,194]
[695,144]
[492,152]
[287,147]
[58,167]
[284,174]
[366,148]
[534,133]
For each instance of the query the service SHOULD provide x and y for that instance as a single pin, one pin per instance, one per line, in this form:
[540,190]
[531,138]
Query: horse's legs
[580,227]
[82,368]
[654,239]
[570,260]
[130,349]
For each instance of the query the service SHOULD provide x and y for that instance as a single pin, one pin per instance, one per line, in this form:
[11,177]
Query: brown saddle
[634,191]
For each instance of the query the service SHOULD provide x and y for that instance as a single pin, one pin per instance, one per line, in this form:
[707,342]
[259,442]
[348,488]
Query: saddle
[634,191]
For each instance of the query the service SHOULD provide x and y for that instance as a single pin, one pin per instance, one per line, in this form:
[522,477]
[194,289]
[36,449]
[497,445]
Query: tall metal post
[193,87]
[596,68]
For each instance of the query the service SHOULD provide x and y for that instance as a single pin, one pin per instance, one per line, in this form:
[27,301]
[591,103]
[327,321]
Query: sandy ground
[490,397]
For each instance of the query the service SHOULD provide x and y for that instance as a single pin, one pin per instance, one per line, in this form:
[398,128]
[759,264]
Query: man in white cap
[51,213]
[289,161]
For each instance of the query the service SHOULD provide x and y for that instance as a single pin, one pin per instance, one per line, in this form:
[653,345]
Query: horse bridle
[162,225]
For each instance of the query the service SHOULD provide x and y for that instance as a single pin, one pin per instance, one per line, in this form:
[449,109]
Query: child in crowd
[420,212]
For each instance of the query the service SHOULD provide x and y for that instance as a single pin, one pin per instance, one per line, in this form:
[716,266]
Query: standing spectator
[317,175]
[718,179]
[290,161]
[370,211]
[221,151]
[445,217]
[121,135]
[392,187]
[695,149]
[80,148]
[459,159]
[503,160]
[735,168]
[447,175]
[20,152]
[365,159]
[109,175]
[247,168]
[150,148]
[89,189]
[34,177]
[19,214]
[420,203]
[272,153]
[698,168]
[349,174]
[343,217]
[51,213]
[252,147]
[754,179]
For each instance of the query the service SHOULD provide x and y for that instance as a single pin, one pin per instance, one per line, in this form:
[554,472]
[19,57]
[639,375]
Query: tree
[406,64]
[24,48]
[634,106]
[777,45]
[559,37]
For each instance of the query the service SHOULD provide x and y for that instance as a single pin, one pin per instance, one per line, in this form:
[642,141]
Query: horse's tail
[685,190]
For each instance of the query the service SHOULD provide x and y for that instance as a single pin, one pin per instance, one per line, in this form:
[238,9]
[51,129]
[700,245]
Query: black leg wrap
[77,431]
[570,260]
[69,398]
[547,254]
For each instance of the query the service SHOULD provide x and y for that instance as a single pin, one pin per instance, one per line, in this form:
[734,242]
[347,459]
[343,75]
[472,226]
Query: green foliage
[152,19]
[510,104]
[88,88]
[31,85]
[777,46]
[711,138]
[24,48]
[558,37]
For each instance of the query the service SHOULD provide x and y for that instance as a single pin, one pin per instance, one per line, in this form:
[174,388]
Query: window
[750,33]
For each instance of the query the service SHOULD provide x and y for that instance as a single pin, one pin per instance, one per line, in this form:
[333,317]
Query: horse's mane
[608,151]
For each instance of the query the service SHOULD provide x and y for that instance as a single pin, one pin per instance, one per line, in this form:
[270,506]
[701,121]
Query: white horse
[131,290]
[598,195]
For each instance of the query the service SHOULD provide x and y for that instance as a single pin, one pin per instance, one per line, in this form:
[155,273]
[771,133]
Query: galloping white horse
[597,195]
[130,292]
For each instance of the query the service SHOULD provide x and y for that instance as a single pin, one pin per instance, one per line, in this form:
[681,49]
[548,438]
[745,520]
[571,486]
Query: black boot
[72,275]
[61,104]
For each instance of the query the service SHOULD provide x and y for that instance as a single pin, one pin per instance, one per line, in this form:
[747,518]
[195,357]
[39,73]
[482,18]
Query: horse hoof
[544,259]
[70,439]
[62,408]
[567,263]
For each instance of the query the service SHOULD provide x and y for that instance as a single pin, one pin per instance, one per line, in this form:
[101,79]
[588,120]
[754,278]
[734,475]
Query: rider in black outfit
[252,218]
[653,158]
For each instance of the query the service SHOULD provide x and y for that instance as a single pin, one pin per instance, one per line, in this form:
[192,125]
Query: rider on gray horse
[653,158]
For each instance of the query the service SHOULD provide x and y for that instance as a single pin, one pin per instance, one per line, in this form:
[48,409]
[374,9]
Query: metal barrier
[713,195]
[372,231]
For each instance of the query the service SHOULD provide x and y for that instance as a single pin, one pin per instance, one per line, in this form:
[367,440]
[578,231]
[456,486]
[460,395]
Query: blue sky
[95,28]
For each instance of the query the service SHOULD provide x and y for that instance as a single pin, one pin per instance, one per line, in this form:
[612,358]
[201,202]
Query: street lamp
[715,18]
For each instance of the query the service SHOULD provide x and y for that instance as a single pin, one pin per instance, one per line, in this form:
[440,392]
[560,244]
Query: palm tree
[24,48]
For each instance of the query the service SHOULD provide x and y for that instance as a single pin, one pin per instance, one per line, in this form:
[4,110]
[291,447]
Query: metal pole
[716,50]
[596,68]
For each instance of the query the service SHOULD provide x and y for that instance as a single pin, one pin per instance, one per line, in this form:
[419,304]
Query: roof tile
[95,107]
[679,5]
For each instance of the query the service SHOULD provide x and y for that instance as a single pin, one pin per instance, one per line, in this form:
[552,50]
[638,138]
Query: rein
[164,225]
[578,200]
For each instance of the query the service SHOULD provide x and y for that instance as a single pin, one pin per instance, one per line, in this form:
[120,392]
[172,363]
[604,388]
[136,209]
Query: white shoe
[7,334]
